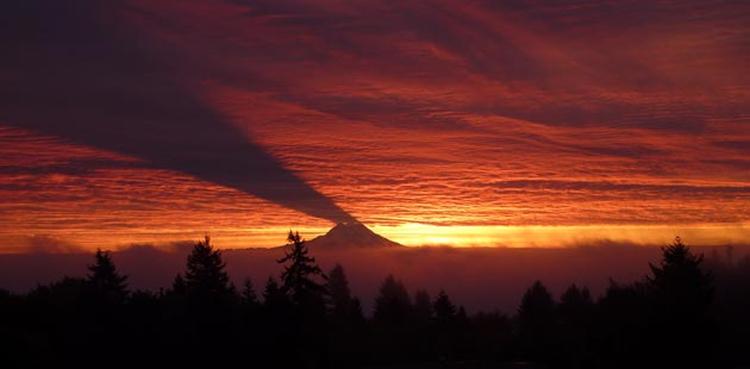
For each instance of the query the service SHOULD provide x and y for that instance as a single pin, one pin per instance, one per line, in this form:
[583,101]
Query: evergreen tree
[537,304]
[447,331]
[206,276]
[461,314]
[346,326]
[298,278]
[104,278]
[445,311]
[536,317]
[621,326]
[393,304]
[248,295]
[394,333]
[102,309]
[575,313]
[422,306]
[679,280]
[283,334]
[205,314]
[250,318]
[681,294]
[178,285]
[338,291]
[300,282]
[272,295]
[576,304]
[423,324]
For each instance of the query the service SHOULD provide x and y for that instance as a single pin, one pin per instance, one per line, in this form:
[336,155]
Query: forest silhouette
[686,313]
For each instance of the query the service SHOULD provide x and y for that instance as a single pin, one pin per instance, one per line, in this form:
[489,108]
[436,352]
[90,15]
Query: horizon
[573,237]
[480,278]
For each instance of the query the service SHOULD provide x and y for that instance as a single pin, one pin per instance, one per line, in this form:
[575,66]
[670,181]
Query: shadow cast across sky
[71,70]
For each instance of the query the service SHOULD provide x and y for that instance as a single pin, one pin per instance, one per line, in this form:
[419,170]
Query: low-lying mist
[478,278]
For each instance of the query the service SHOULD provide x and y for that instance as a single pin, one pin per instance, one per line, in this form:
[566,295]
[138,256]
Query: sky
[465,123]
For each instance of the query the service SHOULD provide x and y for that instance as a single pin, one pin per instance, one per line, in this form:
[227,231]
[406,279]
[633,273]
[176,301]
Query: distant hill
[350,235]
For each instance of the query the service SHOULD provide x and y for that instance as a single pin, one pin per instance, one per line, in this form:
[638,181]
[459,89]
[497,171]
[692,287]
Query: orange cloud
[605,116]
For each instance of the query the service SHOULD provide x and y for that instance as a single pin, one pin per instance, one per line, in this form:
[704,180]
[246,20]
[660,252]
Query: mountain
[350,235]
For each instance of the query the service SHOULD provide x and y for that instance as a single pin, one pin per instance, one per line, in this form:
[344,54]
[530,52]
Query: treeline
[687,313]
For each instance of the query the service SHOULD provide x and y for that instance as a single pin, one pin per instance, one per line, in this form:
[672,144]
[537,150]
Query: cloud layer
[72,72]
[470,113]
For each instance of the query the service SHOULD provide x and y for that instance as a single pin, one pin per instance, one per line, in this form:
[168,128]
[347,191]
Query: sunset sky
[465,123]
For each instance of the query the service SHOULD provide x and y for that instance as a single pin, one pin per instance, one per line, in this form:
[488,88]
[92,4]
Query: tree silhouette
[681,294]
[392,305]
[575,298]
[206,276]
[536,317]
[298,277]
[249,297]
[248,333]
[447,330]
[206,312]
[102,305]
[307,295]
[575,313]
[346,325]
[394,334]
[104,278]
[60,309]
[679,280]
[621,326]
[444,309]
[279,326]
[537,305]
[422,306]
[732,303]
[272,295]
[668,319]
[576,306]
[343,304]
[338,291]
[178,284]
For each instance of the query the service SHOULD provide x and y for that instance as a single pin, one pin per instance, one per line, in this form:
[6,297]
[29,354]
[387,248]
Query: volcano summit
[350,235]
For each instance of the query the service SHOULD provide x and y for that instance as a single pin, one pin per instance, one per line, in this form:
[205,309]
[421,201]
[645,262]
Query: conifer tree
[574,315]
[300,272]
[422,305]
[679,279]
[178,285]
[249,297]
[104,278]
[444,309]
[392,305]
[575,304]
[681,294]
[537,305]
[338,291]
[273,297]
[536,317]
[206,275]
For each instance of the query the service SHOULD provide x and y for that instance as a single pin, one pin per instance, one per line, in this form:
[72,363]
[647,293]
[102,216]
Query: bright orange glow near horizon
[434,123]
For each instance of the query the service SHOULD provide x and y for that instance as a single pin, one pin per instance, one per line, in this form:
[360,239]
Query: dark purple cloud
[71,70]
